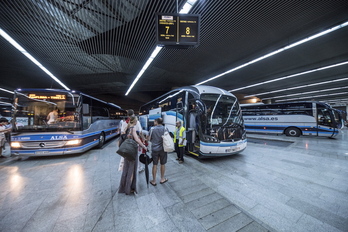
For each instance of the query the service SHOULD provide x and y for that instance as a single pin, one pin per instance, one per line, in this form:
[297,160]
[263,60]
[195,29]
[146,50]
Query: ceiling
[99,46]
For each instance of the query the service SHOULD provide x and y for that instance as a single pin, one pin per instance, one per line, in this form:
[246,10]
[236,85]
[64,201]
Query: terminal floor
[297,185]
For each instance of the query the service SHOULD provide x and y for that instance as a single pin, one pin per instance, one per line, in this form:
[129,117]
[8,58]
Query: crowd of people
[132,129]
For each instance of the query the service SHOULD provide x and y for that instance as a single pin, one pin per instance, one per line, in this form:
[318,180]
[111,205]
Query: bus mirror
[85,109]
[199,106]
[179,106]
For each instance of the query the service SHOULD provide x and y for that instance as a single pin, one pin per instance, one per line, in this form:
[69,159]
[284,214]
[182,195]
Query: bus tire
[101,140]
[293,132]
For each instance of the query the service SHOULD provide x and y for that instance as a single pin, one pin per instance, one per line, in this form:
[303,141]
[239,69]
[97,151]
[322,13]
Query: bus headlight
[73,142]
[16,144]
[210,139]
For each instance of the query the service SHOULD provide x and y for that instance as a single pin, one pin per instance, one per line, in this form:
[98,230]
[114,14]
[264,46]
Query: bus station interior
[260,51]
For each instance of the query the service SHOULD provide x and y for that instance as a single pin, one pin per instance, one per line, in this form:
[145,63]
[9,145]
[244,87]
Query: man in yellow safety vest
[180,141]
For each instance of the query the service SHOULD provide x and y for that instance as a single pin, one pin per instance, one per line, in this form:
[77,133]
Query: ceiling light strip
[300,98]
[290,76]
[186,8]
[30,57]
[275,52]
[304,93]
[296,87]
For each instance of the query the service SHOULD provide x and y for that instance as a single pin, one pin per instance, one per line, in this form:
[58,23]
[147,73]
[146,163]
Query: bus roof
[199,89]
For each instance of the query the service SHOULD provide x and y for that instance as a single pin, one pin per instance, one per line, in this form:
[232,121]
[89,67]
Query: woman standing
[129,174]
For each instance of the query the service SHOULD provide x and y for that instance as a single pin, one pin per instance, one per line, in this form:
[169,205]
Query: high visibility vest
[181,132]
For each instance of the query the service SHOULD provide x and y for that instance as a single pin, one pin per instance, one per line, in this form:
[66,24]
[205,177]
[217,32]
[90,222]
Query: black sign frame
[177,29]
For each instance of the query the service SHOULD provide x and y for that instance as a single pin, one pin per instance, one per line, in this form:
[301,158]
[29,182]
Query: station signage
[177,29]
[44,97]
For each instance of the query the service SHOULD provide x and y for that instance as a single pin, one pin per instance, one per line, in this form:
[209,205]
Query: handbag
[128,149]
[145,159]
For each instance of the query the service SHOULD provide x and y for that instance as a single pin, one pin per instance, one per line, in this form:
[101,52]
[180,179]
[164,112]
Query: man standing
[158,154]
[179,140]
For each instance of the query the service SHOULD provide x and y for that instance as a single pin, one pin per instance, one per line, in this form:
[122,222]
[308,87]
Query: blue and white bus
[291,118]
[81,122]
[212,118]
[6,108]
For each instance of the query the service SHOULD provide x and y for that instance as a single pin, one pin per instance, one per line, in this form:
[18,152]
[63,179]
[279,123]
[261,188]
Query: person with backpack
[158,153]
[128,182]
[180,140]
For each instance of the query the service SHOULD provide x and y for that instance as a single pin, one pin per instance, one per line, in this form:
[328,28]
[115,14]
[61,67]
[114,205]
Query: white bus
[211,116]
[82,122]
[291,119]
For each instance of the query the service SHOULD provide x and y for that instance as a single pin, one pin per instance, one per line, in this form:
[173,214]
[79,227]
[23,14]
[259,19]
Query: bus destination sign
[44,97]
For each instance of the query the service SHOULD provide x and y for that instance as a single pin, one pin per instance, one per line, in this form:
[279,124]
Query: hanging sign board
[177,29]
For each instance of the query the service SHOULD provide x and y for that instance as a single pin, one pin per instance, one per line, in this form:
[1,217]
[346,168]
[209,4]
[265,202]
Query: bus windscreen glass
[46,112]
[222,110]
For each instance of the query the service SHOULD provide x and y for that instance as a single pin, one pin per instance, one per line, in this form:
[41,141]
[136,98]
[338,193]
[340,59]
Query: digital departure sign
[177,29]
[44,97]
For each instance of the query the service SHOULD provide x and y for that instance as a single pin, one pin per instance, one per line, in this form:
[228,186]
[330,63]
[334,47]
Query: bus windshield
[46,111]
[222,110]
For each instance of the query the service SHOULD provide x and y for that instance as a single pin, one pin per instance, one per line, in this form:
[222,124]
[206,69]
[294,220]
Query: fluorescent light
[186,8]
[304,93]
[276,52]
[300,98]
[290,76]
[5,90]
[30,57]
[146,65]
[296,87]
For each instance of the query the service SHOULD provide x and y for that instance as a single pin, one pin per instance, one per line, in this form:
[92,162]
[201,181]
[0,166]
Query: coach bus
[6,108]
[80,122]
[292,119]
[212,118]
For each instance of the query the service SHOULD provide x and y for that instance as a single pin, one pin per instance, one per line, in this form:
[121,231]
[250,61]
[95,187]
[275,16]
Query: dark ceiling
[99,46]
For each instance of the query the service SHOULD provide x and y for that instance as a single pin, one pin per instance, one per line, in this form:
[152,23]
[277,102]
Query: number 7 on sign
[167,29]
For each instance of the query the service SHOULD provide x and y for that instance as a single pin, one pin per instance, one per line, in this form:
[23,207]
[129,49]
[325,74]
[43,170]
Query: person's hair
[3,120]
[133,120]
[130,112]
[159,120]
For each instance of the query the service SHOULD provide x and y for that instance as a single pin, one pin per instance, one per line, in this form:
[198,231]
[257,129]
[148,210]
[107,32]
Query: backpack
[168,143]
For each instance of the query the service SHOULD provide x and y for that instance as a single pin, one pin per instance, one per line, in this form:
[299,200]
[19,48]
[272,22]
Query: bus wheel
[293,132]
[101,140]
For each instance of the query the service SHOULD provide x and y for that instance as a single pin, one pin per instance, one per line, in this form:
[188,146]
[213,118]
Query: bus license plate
[42,152]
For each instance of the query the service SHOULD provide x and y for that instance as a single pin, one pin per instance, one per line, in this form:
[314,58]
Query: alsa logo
[59,137]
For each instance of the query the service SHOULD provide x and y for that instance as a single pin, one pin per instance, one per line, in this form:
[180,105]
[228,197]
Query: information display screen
[177,29]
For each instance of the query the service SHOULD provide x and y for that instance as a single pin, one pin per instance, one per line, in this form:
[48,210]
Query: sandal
[165,180]
[153,184]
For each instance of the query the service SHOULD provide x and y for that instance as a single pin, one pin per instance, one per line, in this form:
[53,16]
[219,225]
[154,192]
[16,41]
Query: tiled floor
[299,186]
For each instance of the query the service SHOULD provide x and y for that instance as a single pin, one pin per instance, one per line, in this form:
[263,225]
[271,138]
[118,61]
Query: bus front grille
[45,144]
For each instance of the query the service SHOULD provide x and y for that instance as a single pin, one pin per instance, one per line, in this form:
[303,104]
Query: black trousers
[179,151]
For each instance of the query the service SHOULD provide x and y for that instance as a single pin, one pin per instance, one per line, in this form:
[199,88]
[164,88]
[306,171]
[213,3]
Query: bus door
[326,123]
